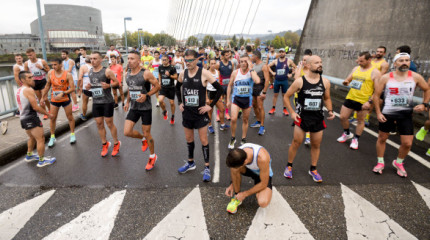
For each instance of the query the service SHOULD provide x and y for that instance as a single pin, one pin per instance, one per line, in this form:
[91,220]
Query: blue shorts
[280,84]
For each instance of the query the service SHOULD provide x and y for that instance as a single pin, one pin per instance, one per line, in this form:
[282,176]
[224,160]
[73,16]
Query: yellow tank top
[146,60]
[361,85]
[378,64]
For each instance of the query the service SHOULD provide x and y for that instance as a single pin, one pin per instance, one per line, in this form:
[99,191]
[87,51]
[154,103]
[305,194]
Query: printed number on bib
[178,67]
[192,101]
[356,84]
[399,101]
[97,92]
[56,93]
[165,81]
[312,104]
[280,71]
[37,73]
[243,90]
[134,95]
[225,81]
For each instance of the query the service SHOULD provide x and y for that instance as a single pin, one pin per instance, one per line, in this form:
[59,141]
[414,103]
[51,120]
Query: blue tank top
[243,84]
[282,70]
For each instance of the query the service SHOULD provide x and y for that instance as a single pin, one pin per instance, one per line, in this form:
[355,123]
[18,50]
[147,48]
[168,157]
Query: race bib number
[56,93]
[134,95]
[243,90]
[37,73]
[165,81]
[312,104]
[146,63]
[178,67]
[156,69]
[225,81]
[192,101]
[399,101]
[280,71]
[97,92]
[356,84]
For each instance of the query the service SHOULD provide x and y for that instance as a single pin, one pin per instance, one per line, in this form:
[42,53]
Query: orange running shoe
[105,149]
[144,145]
[151,163]
[116,147]
[165,115]
[172,121]
[272,111]
[286,112]
[271,86]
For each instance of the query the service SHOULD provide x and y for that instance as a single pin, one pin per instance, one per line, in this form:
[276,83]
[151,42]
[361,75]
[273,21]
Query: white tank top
[86,78]
[253,166]
[178,65]
[38,73]
[399,96]
[216,76]
[25,109]
[21,67]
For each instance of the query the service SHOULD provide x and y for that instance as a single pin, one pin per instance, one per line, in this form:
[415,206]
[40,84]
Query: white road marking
[96,223]
[215,179]
[277,221]
[365,221]
[14,219]
[424,192]
[185,221]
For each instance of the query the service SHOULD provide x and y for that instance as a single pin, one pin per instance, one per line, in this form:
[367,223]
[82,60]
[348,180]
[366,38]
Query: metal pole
[138,39]
[125,35]
[41,32]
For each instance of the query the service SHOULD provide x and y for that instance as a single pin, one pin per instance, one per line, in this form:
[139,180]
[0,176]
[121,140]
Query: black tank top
[137,85]
[194,95]
[100,95]
[310,100]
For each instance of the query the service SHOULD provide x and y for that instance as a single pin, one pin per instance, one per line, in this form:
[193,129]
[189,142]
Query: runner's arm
[266,74]
[326,97]
[295,86]
[45,66]
[379,86]
[31,96]
[178,88]
[208,77]
[230,85]
[47,86]
[71,84]
[255,77]
[384,68]
[26,67]
[72,63]
[147,75]
[349,78]
[113,80]
[263,162]
[16,76]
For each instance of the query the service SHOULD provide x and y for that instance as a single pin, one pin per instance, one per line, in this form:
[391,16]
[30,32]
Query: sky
[153,15]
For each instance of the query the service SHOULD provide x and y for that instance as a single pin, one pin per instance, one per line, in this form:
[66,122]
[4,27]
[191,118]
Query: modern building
[18,43]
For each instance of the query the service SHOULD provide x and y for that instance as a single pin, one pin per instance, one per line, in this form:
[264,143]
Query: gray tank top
[136,85]
[100,95]
[259,70]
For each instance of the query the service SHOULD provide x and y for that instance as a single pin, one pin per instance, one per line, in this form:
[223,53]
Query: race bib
[97,92]
[134,95]
[243,90]
[56,93]
[280,71]
[37,73]
[399,101]
[146,63]
[312,104]
[156,69]
[178,67]
[225,81]
[165,81]
[192,101]
[356,84]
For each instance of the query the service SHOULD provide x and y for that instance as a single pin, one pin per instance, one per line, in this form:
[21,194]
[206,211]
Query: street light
[125,32]
[139,40]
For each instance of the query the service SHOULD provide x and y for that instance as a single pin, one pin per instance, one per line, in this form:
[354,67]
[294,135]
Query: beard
[378,56]
[318,71]
[403,68]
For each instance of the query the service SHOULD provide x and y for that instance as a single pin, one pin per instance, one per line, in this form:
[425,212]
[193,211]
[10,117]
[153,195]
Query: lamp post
[140,39]
[41,32]
[125,32]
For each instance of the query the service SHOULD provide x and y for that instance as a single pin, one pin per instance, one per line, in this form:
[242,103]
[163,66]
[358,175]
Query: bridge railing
[7,91]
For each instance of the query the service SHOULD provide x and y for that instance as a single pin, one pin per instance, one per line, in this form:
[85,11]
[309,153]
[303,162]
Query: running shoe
[366,122]
[272,111]
[116,106]
[393,133]
[31,158]
[211,129]
[82,117]
[52,141]
[172,121]
[187,167]
[261,131]
[378,168]
[105,149]
[72,139]
[116,148]
[400,169]
[75,108]
[227,116]
[239,114]
[144,145]
[307,141]
[243,141]
[165,115]
[288,173]
[286,112]
[256,124]
[315,176]
[428,152]
[46,161]
[271,86]
[151,163]
[217,117]
[421,134]
[354,144]
[158,104]
[352,119]
[345,137]
[17,114]
[231,143]
[45,117]
[224,126]
[3,127]
[207,175]
[232,206]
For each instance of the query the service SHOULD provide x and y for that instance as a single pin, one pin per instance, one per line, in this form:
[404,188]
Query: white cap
[281,49]
[401,55]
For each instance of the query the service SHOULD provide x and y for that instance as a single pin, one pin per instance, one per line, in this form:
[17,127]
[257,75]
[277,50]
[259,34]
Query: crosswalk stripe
[277,221]
[96,223]
[185,221]
[14,219]
[366,221]
[424,192]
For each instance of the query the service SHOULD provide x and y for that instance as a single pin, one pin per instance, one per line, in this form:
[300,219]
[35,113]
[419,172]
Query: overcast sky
[153,15]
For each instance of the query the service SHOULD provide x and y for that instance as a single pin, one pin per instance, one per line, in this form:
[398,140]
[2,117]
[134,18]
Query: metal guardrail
[8,102]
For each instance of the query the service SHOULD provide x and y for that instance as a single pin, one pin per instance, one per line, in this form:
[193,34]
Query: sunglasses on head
[189,60]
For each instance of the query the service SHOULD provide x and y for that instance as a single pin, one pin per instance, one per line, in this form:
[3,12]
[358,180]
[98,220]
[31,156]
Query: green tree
[247,41]
[192,41]
[233,41]
[257,42]
[208,40]
[278,42]
[241,42]
[162,39]
[146,37]
[291,39]
[112,39]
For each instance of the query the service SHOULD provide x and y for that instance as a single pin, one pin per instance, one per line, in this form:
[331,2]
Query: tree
[208,40]
[291,39]
[233,41]
[241,41]
[247,41]
[146,37]
[162,39]
[192,41]
[257,42]
[278,42]
[111,38]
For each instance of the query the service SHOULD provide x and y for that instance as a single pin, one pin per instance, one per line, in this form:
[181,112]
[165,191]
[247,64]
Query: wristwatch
[263,92]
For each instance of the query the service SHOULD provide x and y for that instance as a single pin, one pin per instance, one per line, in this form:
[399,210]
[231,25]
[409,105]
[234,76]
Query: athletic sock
[173,116]
[273,107]
[285,108]
[72,134]
[399,160]
[29,153]
[152,155]
[357,136]
[143,139]
[289,164]
[205,150]
[41,158]
[346,131]
[313,168]
[208,167]
[190,150]
[52,135]
[190,162]
[308,135]
[381,160]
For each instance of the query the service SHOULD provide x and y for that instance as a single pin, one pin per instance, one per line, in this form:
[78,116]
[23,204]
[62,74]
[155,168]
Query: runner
[250,160]
[112,51]
[241,82]
[38,67]
[202,58]
[167,79]
[424,129]
[141,107]
[179,62]
[17,67]
[397,110]
[62,85]
[211,93]
[283,65]
[27,103]
[69,66]
[101,81]
[226,68]
[217,56]
[359,98]
[271,56]
[249,51]
[259,91]
[82,56]
[312,89]
[84,80]
[192,102]
[117,70]
[146,59]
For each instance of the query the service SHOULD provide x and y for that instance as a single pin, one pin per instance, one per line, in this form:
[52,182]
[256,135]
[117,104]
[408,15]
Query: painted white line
[365,221]
[277,221]
[97,223]
[395,145]
[14,219]
[185,221]
[424,192]
[215,179]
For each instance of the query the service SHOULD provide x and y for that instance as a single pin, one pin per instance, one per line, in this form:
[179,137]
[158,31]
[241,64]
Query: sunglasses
[189,60]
